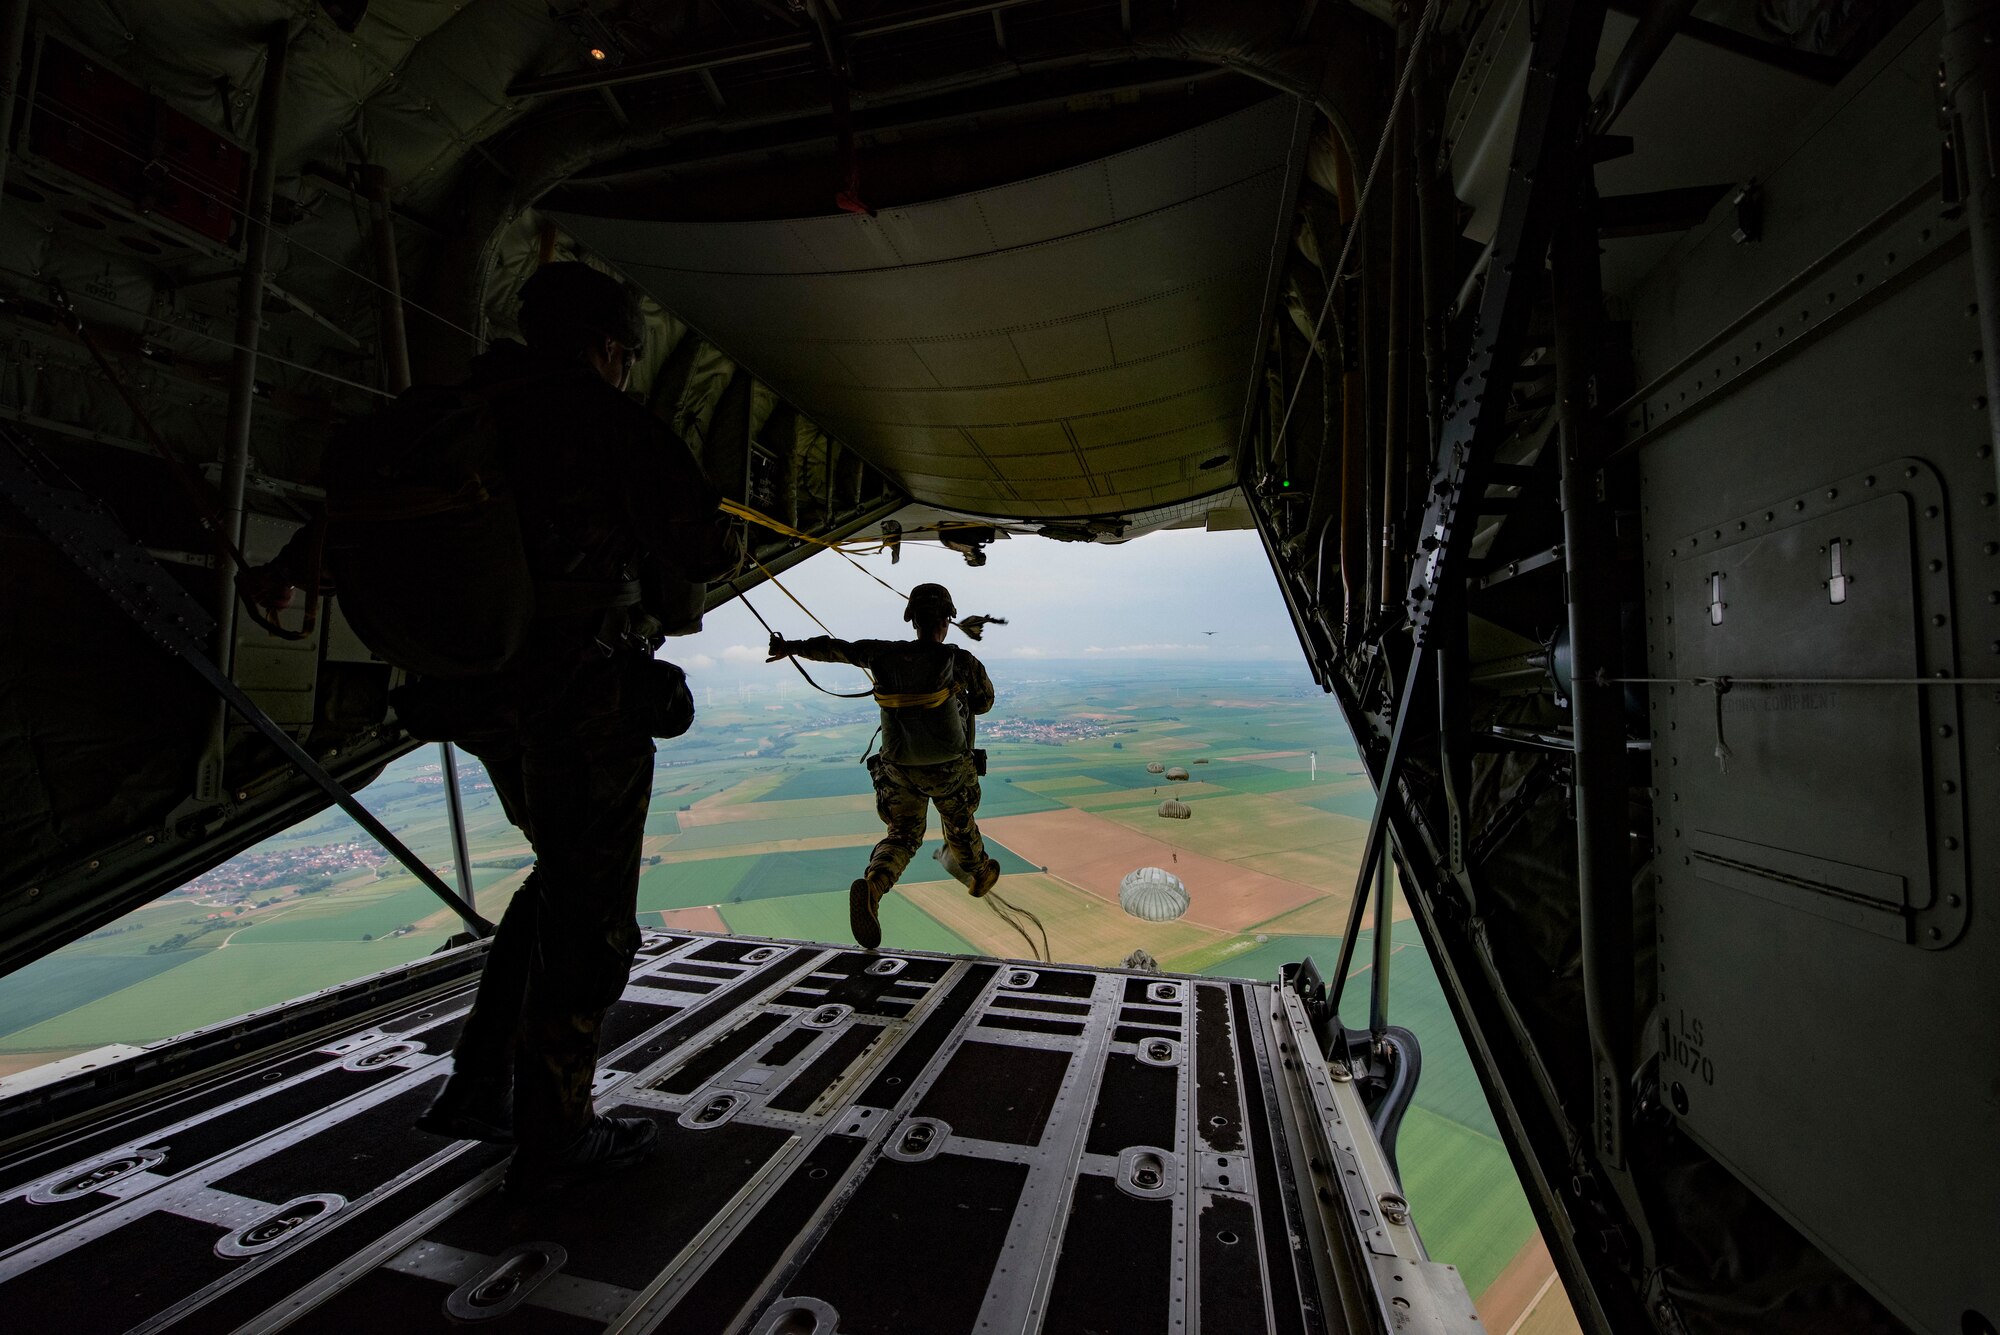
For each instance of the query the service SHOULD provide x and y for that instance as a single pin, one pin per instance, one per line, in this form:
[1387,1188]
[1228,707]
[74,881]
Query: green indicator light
[1287,482]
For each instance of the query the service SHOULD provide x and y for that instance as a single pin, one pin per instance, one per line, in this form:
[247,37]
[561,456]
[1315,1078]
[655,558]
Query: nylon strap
[926,700]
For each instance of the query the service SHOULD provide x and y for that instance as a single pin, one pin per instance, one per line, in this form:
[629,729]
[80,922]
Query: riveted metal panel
[1816,883]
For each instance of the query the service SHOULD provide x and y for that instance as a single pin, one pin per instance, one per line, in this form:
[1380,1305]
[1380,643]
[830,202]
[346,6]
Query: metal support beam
[374,182]
[461,851]
[713,89]
[1396,389]
[13,52]
[1378,992]
[1454,720]
[1972,83]
[243,388]
[1597,700]
[1545,151]
[1807,65]
[249,330]
[126,573]
[1642,51]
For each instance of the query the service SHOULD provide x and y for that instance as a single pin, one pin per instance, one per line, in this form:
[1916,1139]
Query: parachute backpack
[424,541]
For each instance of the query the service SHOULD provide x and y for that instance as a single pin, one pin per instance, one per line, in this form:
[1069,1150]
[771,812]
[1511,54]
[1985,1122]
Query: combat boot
[607,1145]
[864,909]
[985,878]
[471,1108]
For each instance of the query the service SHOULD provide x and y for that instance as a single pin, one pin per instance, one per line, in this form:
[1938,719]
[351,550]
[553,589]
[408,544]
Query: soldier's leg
[587,796]
[477,1101]
[956,791]
[904,812]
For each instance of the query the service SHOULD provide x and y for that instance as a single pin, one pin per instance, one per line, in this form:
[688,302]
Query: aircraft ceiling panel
[957,467]
[1043,491]
[1061,204]
[874,365]
[975,363]
[1109,268]
[1147,329]
[1202,439]
[1142,421]
[1090,332]
[1069,348]
[1081,399]
[1142,182]
[1024,438]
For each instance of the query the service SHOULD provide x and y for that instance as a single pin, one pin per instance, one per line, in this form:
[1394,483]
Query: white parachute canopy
[1175,810]
[1177,774]
[1153,894]
[1155,767]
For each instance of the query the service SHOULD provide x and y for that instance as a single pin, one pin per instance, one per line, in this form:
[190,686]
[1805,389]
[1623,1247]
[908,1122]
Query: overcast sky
[1150,598]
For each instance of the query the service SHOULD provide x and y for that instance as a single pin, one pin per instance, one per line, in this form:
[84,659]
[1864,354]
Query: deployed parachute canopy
[1177,774]
[1175,810]
[1153,894]
[1155,767]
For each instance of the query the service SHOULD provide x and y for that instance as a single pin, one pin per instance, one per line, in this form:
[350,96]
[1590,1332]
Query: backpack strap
[923,699]
[919,700]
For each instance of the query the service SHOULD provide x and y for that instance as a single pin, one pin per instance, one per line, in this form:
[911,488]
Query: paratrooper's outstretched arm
[978,686]
[822,649]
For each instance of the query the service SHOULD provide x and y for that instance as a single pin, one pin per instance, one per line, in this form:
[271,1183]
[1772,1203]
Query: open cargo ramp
[852,1142]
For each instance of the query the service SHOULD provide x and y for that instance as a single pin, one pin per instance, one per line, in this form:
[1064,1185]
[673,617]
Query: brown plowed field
[1095,853]
[1514,1290]
[664,846]
[1246,826]
[1524,1288]
[702,813]
[703,919]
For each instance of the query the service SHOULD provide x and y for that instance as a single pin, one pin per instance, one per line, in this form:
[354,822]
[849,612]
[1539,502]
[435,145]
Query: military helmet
[929,597]
[569,305]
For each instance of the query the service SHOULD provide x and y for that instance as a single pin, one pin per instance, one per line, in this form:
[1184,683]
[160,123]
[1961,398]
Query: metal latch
[1836,577]
[1715,603]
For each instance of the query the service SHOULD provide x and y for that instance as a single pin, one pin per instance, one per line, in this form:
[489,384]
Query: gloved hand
[780,648]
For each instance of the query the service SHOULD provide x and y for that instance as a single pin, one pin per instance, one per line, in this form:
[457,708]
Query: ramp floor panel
[850,1142]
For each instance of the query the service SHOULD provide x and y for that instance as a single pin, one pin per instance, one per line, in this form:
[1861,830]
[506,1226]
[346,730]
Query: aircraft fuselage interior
[1612,387]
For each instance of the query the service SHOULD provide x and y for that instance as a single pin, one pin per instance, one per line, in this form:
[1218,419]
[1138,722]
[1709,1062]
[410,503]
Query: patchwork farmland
[762,815]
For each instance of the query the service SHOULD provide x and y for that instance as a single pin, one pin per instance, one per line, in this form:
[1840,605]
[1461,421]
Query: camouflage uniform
[926,752]
[903,794]
[607,495]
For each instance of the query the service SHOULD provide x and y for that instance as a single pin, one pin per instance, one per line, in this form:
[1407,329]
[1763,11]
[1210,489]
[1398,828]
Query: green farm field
[760,819]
